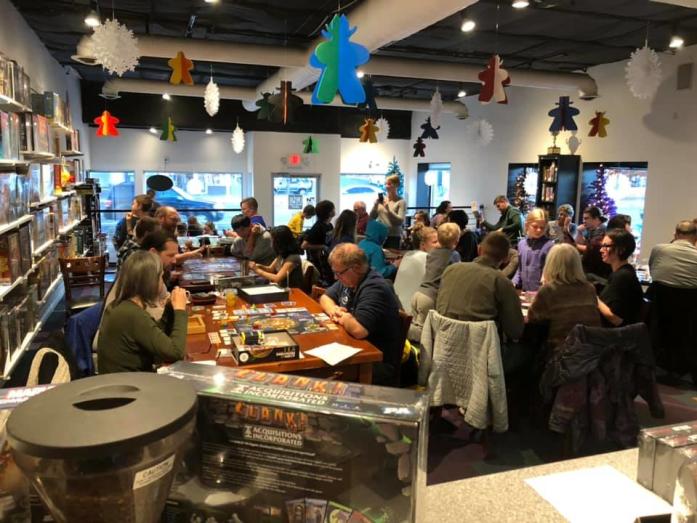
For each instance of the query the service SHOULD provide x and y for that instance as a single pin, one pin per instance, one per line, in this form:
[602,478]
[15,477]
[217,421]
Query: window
[290,194]
[522,185]
[360,187]
[118,191]
[432,184]
[203,195]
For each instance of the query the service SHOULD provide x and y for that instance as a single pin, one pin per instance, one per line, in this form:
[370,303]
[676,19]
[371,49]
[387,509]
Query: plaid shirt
[128,248]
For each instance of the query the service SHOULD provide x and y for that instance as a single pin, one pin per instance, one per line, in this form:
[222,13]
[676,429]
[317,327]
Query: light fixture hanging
[468,25]
[461,93]
[520,4]
[153,130]
[211,1]
[676,41]
[92,19]
[166,96]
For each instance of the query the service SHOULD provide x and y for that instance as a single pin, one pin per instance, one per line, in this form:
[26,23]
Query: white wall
[19,42]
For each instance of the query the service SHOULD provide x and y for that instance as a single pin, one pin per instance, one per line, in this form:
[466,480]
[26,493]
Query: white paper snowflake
[436,109]
[480,132]
[237,139]
[115,47]
[211,98]
[643,73]
[384,133]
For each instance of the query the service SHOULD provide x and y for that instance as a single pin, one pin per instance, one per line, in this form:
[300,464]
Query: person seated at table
[533,251]
[563,229]
[566,297]
[130,340]
[366,306]
[620,221]
[621,300]
[286,269]
[252,242]
[467,244]
[209,229]
[424,299]
[362,217]
[297,222]
[589,236]
[441,214]
[675,263]
[140,207]
[193,228]
[145,226]
[412,268]
[170,221]
[479,291]
[509,266]
[375,235]
[344,229]
[250,207]
[316,240]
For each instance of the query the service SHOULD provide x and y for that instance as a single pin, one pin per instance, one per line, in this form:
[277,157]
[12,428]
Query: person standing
[533,251]
[675,263]
[391,212]
[467,244]
[344,229]
[297,222]
[589,236]
[510,223]
[250,207]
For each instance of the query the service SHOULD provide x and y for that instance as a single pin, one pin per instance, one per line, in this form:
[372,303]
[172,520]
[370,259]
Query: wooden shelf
[12,106]
[43,203]
[35,156]
[60,127]
[69,228]
[43,247]
[16,224]
[72,153]
[12,163]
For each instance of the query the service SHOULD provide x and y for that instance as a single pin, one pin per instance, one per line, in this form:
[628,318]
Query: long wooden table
[357,368]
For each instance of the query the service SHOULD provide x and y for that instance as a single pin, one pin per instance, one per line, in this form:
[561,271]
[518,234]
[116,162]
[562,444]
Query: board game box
[253,346]
[263,294]
[281,448]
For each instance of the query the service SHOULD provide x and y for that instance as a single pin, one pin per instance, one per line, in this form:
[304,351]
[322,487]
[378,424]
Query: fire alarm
[294,160]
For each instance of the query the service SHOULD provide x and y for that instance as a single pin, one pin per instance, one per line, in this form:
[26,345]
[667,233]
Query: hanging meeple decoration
[563,116]
[310,145]
[368,131]
[106,125]
[598,125]
[211,98]
[643,73]
[264,106]
[383,129]
[493,80]
[338,59]
[168,131]
[436,109]
[480,132]
[284,104]
[419,147]
[115,47]
[369,103]
[181,69]
[237,139]
[428,130]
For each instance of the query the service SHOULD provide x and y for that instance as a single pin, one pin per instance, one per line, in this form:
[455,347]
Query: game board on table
[204,269]
[295,320]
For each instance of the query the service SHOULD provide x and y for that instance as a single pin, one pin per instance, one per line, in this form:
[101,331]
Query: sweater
[510,223]
[532,254]
[436,262]
[130,340]
[391,214]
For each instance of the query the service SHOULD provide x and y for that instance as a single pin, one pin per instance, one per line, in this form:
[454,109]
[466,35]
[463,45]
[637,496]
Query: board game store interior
[348,261]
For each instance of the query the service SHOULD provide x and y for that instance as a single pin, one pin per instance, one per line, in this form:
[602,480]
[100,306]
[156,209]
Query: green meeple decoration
[265,107]
[168,131]
[310,145]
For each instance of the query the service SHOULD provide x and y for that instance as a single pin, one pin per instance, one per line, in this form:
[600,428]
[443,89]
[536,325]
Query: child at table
[533,251]
[286,268]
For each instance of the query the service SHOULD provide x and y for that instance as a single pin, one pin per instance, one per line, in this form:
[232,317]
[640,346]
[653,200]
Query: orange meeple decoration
[368,130]
[107,125]
[181,69]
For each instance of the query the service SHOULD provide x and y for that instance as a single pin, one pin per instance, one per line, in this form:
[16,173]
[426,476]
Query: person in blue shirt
[249,207]
[375,235]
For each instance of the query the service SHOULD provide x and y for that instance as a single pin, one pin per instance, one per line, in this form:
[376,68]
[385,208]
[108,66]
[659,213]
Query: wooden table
[357,368]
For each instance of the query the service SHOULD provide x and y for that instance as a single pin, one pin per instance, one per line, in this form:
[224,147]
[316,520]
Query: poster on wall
[522,185]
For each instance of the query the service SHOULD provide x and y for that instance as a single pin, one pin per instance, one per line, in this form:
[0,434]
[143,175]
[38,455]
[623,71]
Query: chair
[409,276]
[404,324]
[310,276]
[79,273]
[317,292]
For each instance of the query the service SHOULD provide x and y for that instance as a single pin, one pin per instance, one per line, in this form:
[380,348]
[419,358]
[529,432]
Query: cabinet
[557,182]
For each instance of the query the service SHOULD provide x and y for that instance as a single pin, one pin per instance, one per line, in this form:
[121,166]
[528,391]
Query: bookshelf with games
[557,182]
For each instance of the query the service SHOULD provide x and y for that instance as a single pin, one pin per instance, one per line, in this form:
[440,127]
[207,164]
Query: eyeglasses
[341,273]
[606,245]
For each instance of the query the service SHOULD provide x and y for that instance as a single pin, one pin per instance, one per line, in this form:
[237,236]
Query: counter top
[506,497]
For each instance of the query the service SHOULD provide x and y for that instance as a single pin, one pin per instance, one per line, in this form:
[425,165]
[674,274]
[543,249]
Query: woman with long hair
[130,340]
[286,269]
[344,229]
[442,212]
[391,211]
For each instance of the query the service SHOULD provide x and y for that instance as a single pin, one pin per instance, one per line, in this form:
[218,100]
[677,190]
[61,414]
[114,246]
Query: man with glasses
[366,306]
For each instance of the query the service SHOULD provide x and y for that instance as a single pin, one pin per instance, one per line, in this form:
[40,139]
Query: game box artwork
[285,448]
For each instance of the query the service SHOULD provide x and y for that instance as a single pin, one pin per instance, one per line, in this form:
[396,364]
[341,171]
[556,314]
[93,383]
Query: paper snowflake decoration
[480,132]
[436,109]
[211,98]
[237,139]
[643,73]
[115,47]
[384,129]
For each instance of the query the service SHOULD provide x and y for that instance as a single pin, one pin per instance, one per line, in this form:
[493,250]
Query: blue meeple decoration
[338,59]
[369,102]
[563,116]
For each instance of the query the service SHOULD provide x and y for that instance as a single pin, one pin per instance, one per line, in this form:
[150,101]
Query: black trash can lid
[101,415]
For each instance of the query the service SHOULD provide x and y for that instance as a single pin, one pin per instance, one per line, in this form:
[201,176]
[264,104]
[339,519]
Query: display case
[558,182]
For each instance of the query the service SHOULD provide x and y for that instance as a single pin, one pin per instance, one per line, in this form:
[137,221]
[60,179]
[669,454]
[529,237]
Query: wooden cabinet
[557,182]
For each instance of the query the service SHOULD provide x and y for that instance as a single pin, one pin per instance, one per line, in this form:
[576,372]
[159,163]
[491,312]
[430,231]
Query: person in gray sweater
[437,261]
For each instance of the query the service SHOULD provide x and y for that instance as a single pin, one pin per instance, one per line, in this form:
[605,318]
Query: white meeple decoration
[384,129]
[643,73]
[480,132]
[211,98]
[237,139]
[436,109]
[115,47]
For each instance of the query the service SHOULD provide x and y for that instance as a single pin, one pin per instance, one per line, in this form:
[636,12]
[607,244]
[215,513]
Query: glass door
[291,193]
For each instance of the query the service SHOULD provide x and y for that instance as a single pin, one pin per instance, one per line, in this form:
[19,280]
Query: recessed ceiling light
[153,130]
[92,19]
[209,131]
[166,96]
[520,4]
[676,42]
[360,74]
[468,25]
[461,93]
[211,1]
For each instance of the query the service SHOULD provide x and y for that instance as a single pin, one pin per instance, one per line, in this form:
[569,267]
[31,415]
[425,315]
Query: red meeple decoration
[494,79]
[598,125]
[181,69]
[106,125]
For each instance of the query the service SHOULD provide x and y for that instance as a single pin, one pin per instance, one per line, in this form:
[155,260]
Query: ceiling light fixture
[676,42]
[211,1]
[153,130]
[461,93]
[209,131]
[520,4]
[92,19]
[468,25]
[360,74]
[166,96]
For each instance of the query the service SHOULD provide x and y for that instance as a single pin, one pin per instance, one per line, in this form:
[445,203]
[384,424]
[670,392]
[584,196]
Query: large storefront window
[360,187]
[290,194]
[118,190]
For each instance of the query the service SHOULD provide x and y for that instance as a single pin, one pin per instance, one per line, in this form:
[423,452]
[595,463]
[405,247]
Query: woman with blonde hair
[391,212]
[532,251]
[566,298]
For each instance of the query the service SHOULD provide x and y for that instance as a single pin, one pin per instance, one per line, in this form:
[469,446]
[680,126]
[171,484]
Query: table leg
[365,373]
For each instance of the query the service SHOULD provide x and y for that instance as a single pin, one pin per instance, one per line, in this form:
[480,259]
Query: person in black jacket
[510,223]
[467,244]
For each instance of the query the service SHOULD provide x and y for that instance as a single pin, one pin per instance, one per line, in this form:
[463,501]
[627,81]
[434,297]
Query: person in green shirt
[130,340]
[510,223]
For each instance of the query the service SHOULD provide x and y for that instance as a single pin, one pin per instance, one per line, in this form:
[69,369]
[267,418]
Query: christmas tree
[521,198]
[393,169]
[599,197]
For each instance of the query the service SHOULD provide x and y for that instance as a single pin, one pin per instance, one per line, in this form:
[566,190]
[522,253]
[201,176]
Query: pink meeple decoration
[494,79]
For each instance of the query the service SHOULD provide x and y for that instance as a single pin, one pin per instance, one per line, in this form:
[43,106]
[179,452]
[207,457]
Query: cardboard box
[647,448]
[274,346]
[263,294]
[275,447]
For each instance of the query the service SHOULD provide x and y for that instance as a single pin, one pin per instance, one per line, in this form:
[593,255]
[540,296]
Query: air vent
[685,76]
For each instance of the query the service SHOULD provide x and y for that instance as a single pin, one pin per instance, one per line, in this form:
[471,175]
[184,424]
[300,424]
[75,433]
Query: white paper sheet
[333,353]
[598,494]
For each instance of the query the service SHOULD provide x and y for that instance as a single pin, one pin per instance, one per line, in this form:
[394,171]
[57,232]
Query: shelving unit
[557,182]
[37,157]
[9,105]
[16,224]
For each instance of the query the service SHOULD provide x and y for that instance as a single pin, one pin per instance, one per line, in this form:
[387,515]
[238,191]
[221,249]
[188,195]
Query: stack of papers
[333,353]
